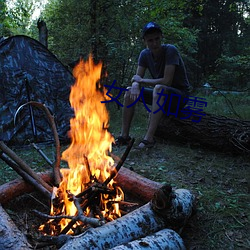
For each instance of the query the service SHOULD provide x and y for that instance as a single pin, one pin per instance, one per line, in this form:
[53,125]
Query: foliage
[232,72]
[212,36]
[112,32]
[4,19]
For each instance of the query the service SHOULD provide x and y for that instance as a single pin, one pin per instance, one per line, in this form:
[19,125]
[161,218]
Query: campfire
[87,188]
[87,198]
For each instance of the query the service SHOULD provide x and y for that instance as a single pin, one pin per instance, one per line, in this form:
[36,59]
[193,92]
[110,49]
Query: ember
[87,188]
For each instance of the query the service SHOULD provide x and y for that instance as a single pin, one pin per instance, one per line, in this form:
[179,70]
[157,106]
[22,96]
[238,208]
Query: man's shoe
[121,141]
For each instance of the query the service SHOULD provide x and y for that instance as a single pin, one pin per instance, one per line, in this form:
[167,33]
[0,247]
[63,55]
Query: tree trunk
[43,32]
[10,237]
[215,132]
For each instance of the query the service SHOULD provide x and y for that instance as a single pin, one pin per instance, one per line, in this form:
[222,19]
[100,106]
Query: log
[22,164]
[161,240]
[131,183]
[18,187]
[10,237]
[136,185]
[26,176]
[150,218]
[213,132]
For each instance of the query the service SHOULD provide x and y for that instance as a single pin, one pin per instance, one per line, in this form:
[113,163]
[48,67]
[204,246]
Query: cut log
[140,187]
[150,218]
[131,182]
[215,132]
[163,239]
[10,237]
[15,188]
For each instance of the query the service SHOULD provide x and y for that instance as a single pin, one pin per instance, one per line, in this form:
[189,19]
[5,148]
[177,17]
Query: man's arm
[135,89]
[166,80]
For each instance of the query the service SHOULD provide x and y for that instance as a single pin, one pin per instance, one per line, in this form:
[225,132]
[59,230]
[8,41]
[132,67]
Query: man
[168,76]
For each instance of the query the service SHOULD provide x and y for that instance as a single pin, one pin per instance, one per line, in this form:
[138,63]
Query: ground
[219,180]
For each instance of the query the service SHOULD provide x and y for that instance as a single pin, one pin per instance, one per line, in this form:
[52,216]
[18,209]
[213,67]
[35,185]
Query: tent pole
[33,125]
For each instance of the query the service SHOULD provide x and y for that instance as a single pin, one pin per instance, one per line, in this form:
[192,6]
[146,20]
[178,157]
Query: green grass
[233,106]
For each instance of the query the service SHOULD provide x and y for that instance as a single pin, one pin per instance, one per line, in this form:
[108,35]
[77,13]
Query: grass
[220,181]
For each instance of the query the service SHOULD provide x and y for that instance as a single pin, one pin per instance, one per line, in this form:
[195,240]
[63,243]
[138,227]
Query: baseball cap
[150,26]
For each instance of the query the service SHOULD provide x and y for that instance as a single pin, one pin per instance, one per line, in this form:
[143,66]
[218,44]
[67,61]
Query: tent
[30,72]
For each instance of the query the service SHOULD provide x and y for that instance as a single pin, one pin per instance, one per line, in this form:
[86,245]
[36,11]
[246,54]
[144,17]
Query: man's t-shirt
[171,56]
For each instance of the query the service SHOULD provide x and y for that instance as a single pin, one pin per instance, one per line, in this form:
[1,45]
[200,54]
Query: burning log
[10,237]
[163,239]
[165,210]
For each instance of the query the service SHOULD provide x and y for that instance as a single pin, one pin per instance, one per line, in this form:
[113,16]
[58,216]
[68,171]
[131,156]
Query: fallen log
[214,132]
[148,219]
[163,239]
[10,237]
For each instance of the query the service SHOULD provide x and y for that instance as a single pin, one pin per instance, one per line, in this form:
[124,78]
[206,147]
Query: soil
[220,182]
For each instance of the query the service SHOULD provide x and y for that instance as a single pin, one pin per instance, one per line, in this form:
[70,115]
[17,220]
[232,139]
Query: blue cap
[150,26]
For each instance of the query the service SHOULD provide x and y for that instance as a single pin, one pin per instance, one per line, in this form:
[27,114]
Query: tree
[223,31]
[4,20]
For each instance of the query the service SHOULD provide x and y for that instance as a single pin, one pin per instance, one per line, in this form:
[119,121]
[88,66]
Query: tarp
[29,71]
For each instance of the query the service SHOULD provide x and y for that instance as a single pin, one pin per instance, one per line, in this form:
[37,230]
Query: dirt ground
[220,182]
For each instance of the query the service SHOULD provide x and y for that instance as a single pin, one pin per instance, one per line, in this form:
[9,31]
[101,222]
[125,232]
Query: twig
[120,163]
[42,154]
[24,166]
[25,176]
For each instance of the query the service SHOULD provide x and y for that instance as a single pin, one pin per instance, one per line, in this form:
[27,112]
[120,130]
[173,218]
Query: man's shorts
[176,99]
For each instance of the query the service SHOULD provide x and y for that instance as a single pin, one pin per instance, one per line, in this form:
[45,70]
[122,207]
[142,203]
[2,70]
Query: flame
[88,155]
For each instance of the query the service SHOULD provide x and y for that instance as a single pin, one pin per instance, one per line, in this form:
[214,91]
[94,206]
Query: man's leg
[154,117]
[127,115]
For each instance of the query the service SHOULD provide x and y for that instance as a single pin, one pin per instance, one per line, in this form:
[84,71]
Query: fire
[88,155]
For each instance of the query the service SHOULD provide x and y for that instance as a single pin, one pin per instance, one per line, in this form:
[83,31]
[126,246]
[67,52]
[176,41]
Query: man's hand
[136,78]
[134,91]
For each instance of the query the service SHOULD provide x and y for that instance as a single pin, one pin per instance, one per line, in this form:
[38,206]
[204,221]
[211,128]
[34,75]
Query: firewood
[18,187]
[161,240]
[132,183]
[136,185]
[26,176]
[11,154]
[10,237]
[150,218]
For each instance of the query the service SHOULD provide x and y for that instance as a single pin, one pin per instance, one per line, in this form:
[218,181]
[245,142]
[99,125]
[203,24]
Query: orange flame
[87,156]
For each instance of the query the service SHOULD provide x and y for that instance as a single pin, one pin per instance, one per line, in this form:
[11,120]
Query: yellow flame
[89,135]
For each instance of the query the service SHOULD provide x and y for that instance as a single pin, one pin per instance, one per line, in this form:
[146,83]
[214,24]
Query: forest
[213,36]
